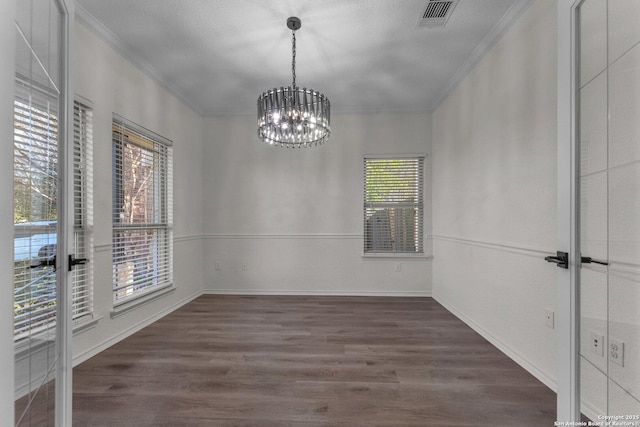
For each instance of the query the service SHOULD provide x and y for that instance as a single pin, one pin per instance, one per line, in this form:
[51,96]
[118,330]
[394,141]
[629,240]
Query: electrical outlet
[218,265]
[616,351]
[597,344]
[398,267]
[549,318]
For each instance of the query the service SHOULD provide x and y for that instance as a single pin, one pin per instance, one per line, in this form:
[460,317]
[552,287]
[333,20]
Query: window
[35,159]
[393,205]
[82,209]
[142,211]
[35,208]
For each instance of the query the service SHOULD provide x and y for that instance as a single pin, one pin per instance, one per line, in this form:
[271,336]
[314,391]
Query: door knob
[589,260]
[561,259]
[73,261]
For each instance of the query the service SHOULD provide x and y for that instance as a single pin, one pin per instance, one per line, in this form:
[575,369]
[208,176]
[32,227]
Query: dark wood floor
[308,361]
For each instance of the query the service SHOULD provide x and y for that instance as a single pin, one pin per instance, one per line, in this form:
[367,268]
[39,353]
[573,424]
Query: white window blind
[35,142]
[142,211]
[82,209]
[35,216]
[393,205]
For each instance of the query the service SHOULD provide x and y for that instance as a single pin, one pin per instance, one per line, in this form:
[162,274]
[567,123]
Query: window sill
[132,304]
[46,340]
[397,255]
[84,325]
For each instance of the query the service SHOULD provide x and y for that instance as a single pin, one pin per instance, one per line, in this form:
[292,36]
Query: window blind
[142,211]
[393,205]
[35,142]
[82,275]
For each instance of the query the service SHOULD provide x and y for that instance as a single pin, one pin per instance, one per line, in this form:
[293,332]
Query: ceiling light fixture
[293,117]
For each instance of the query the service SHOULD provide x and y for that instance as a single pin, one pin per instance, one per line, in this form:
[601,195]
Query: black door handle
[73,261]
[561,259]
[589,260]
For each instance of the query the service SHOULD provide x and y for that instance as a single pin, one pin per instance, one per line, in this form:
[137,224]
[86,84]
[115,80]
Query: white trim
[7,92]
[398,255]
[84,101]
[567,314]
[130,54]
[544,377]
[64,318]
[282,236]
[426,294]
[393,156]
[83,325]
[520,250]
[187,238]
[507,20]
[102,248]
[108,247]
[151,295]
[89,353]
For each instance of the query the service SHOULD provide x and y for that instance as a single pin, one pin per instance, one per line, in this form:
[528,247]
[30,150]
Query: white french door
[608,135]
[41,299]
[599,208]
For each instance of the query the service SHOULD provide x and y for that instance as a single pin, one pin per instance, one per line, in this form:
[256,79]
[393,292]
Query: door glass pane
[609,131]
[35,199]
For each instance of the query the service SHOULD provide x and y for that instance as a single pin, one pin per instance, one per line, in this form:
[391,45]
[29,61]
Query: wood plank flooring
[308,361]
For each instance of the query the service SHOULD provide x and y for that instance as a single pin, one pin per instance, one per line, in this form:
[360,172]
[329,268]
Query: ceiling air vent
[437,13]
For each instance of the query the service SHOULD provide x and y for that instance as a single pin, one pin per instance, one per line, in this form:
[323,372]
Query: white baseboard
[515,356]
[590,411]
[314,293]
[89,353]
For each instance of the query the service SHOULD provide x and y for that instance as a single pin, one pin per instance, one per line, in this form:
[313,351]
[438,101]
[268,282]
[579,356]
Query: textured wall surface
[291,221]
[494,193]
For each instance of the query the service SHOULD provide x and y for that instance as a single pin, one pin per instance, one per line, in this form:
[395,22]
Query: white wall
[113,84]
[7,91]
[494,193]
[291,221]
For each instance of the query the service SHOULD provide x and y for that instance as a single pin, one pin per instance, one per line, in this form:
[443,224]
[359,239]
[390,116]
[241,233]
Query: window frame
[418,205]
[82,276]
[83,244]
[35,134]
[159,249]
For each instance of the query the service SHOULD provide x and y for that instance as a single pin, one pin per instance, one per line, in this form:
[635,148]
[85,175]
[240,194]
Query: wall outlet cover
[616,351]
[549,318]
[596,342]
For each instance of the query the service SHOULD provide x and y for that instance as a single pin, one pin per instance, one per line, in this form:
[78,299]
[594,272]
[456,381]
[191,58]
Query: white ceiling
[365,55]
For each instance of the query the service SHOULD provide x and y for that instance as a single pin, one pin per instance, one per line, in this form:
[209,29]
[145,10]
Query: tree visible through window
[393,205]
[35,159]
[35,198]
[142,248]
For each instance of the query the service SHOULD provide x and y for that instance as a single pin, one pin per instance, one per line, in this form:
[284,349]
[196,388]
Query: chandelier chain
[293,56]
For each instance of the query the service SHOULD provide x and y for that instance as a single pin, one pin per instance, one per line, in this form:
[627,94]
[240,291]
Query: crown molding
[91,22]
[507,20]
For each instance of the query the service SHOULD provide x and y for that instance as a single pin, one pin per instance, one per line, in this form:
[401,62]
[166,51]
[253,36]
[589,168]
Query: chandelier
[293,117]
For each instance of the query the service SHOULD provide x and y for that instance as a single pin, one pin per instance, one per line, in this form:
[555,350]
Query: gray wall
[112,84]
[494,193]
[291,221]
